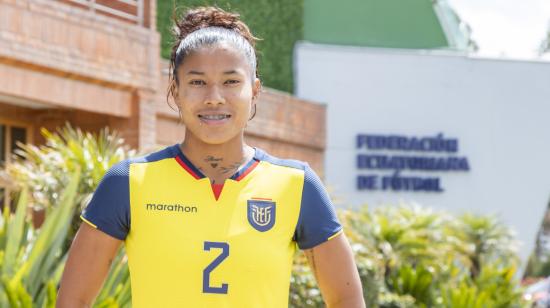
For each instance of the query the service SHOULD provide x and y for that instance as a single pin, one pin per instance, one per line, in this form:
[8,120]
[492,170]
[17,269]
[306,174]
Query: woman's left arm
[334,268]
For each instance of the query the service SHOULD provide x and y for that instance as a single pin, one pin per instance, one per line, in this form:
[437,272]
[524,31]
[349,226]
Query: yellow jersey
[191,246]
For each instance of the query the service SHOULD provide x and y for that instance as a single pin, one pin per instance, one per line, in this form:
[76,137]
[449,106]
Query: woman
[211,222]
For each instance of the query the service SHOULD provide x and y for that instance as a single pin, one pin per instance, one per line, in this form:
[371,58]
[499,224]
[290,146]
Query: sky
[506,28]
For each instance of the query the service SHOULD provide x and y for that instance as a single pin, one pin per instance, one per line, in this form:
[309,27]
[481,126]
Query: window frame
[8,124]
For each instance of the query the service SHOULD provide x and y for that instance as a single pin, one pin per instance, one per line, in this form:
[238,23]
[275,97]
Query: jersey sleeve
[317,221]
[109,209]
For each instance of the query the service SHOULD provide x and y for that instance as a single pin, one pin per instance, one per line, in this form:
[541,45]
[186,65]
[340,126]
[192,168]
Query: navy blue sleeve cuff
[112,233]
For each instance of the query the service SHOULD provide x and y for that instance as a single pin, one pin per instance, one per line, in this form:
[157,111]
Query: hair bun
[202,17]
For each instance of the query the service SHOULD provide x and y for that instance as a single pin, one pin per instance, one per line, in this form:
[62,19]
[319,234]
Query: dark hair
[204,26]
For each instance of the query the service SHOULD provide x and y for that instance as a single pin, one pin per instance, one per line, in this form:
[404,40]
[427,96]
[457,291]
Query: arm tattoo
[311,257]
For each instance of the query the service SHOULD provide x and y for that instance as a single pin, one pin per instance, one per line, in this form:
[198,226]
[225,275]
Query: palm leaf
[15,234]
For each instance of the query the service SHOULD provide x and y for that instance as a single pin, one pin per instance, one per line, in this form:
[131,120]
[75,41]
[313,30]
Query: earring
[253,114]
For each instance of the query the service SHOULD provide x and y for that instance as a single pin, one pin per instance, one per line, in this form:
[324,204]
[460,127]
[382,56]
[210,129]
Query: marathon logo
[171,208]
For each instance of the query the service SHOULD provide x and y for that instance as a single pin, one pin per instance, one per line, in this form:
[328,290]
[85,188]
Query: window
[10,135]
[18,135]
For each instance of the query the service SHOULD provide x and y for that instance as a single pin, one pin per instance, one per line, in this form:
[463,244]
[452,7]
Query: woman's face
[216,93]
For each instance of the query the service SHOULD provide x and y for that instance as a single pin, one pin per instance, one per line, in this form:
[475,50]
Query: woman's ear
[256,89]
[174,90]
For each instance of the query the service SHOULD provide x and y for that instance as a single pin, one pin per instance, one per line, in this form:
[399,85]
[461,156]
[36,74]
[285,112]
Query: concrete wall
[497,110]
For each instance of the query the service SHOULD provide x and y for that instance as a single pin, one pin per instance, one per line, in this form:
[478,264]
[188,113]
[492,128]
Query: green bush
[409,256]
[278,23]
[116,291]
[32,260]
[46,169]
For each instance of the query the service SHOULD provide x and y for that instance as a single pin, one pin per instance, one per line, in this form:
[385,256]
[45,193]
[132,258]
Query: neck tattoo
[222,169]
[213,161]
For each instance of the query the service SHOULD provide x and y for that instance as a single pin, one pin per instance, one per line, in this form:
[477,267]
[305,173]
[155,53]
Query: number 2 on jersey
[206,287]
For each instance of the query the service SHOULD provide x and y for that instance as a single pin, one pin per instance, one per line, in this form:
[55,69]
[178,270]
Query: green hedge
[278,23]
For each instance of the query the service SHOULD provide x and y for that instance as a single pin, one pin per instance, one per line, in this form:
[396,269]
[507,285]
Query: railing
[127,10]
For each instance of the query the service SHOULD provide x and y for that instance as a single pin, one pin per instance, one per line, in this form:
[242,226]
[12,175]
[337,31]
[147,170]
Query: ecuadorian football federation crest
[261,214]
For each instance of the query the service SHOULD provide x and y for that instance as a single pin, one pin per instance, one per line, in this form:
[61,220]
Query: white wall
[498,110]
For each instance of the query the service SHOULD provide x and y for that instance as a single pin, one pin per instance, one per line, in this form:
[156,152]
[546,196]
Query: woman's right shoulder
[122,168]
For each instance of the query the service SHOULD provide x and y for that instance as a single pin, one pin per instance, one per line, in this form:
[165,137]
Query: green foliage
[495,287]
[491,241]
[409,256]
[415,282]
[116,291]
[279,24]
[537,266]
[32,260]
[46,169]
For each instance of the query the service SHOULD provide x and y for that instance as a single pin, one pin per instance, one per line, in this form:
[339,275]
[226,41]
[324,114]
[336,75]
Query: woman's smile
[214,118]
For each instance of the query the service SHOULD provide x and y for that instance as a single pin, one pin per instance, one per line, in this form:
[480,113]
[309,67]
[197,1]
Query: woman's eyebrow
[195,73]
[231,72]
